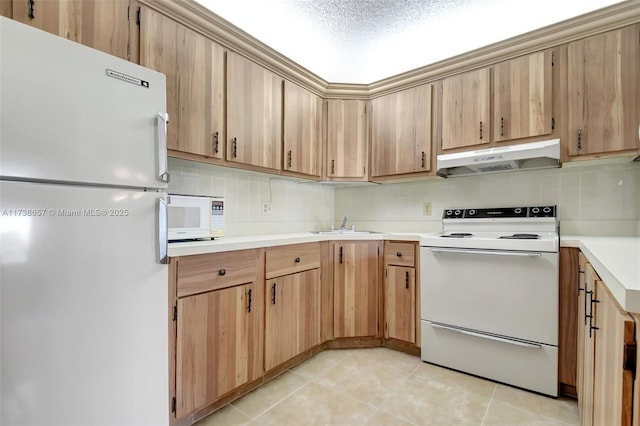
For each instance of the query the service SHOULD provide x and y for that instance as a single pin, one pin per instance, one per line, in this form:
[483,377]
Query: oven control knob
[457,212]
[547,210]
[518,210]
[449,212]
[535,210]
[472,212]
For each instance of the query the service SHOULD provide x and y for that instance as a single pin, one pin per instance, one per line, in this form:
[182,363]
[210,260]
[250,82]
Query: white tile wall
[295,206]
[595,199]
[592,198]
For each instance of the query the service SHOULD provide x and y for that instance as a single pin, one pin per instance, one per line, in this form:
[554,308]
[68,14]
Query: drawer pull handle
[399,254]
[297,260]
[222,272]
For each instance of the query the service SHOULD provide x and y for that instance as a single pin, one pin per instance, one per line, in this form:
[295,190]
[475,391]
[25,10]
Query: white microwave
[192,218]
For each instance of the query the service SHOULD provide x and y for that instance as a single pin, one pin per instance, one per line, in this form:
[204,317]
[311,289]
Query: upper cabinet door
[604,92]
[401,132]
[194,66]
[346,139]
[101,24]
[522,97]
[254,114]
[302,131]
[465,109]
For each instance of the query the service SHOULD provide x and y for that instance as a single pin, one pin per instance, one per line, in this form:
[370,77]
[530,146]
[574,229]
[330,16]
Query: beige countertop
[617,262]
[615,259]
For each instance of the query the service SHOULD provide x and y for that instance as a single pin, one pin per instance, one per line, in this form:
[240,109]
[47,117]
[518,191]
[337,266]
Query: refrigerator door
[72,113]
[83,307]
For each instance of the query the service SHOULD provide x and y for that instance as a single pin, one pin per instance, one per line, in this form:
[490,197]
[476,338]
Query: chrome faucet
[343,227]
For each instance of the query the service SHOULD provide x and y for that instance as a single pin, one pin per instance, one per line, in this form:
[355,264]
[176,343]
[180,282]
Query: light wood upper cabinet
[302,131]
[346,139]
[466,102]
[254,114]
[401,132]
[218,339]
[292,316]
[604,93]
[356,288]
[194,66]
[522,97]
[102,24]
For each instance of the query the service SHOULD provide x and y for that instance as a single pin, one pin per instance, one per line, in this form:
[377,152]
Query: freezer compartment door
[72,113]
[83,307]
[523,364]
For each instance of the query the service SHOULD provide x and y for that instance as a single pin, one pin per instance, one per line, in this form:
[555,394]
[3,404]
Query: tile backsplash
[595,199]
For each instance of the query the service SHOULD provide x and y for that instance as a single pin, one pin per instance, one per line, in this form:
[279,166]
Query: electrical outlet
[426,208]
[266,207]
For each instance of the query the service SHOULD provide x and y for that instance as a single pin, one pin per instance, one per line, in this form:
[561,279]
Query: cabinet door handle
[31,9]
[501,126]
[289,159]
[481,130]
[222,272]
[340,254]
[424,160]
[249,301]
[273,293]
[579,139]
[216,142]
[406,279]
[235,147]
[297,260]
[333,167]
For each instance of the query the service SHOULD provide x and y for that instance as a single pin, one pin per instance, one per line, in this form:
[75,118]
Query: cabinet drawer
[290,259]
[205,272]
[400,253]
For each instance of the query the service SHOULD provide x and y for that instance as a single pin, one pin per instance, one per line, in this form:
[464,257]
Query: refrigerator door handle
[163,232]
[161,121]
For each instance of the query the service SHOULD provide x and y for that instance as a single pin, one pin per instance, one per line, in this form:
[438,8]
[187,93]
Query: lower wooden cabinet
[400,291]
[217,345]
[356,288]
[607,355]
[292,316]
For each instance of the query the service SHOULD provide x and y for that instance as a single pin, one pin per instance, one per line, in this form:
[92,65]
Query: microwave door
[188,217]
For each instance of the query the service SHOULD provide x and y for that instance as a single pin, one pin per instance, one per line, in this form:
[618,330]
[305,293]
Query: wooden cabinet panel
[522,97]
[346,139]
[356,289]
[604,93]
[401,132]
[400,253]
[302,131]
[194,66]
[588,346]
[290,259]
[400,303]
[613,385]
[465,109]
[205,272]
[568,298]
[217,345]
[254,114]
[101,24]
[292,316]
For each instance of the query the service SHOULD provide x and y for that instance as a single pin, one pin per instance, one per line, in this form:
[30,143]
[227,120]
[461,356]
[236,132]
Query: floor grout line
[486,410]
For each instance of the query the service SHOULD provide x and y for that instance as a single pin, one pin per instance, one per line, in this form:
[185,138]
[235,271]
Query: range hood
[534,155]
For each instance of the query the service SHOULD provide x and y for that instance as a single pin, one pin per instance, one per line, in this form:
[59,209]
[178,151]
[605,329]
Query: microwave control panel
[217,217]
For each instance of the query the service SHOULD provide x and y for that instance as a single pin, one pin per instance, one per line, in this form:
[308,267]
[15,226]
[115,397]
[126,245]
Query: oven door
[506,293]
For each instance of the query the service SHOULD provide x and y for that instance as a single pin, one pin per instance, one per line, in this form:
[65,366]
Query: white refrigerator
[83,285]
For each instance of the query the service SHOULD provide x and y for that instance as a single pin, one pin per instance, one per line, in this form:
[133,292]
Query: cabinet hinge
[630,357]
[175,312]
[553,60]
[553,123]
[138,17]
[174,404]
[129,13]
[386,327]
[378,251]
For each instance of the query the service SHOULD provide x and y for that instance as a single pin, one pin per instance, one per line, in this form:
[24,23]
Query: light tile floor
[381,386]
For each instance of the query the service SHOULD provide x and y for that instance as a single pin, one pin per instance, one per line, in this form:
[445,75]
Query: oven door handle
[487,336]
[489,252]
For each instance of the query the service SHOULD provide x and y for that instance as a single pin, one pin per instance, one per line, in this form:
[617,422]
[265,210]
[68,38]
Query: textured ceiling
[362,41]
